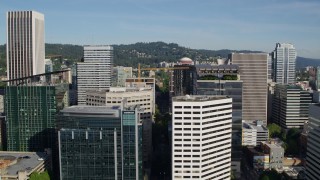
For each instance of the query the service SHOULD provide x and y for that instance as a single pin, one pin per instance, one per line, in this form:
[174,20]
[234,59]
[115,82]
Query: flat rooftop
[25,161]
[260,128]
[92,109]
[198,98]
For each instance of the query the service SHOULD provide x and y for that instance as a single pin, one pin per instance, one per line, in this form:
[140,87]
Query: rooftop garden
[215,77]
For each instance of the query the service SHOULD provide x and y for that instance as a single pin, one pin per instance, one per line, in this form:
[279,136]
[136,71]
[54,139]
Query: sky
[198,24]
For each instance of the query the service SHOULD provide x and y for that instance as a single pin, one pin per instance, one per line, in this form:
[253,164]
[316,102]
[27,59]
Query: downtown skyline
[212,25]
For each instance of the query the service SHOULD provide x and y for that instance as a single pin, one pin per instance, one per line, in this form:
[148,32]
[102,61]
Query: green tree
[271,175]
[40,176]
[274,130]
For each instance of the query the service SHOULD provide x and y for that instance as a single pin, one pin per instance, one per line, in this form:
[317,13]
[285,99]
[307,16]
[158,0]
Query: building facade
[284,63]
[254,134]
[30,116]
[133,96]
[100,143]
[276,154]
[290,106]
[313,145]
[25,44]
[318,78]
[224,80]
[254,74]
[121,74]
[201,137]
[95,72]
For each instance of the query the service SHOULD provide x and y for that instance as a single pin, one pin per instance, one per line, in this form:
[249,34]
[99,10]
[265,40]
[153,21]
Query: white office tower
[96,70]
[284,63]
[201,137]
[25,44]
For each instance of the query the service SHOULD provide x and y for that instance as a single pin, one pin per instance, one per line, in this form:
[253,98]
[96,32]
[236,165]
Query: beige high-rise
[25,44]
[254,74]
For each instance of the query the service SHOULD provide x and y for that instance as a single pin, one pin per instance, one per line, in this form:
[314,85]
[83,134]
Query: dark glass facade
[233,89]
[30,116]
[96,143]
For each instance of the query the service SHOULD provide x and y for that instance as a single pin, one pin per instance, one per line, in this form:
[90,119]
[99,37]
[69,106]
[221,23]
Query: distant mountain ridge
[149,53]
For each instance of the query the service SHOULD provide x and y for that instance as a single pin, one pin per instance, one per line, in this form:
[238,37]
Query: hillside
[145,53]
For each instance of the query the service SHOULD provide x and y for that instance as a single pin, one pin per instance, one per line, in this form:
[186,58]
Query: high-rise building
[313,145]
[133,96]
[284,63]
[224,80]
[100,143]
[290,106]
[201,137]
[31,114]
[25,44]
[254,74]
[318,78]
[183,79]
[95,72]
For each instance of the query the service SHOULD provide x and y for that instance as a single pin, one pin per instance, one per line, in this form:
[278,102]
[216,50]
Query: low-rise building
[254,134]
[276,154]
[20,165]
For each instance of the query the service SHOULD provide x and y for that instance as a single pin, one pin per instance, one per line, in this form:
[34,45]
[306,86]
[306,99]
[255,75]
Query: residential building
[313,145]
[275,152]
[30,115]
[254,134]
[25,44]
[100,142]
[95,72]
[284,63]
[122,73]
[20,165]
[224,80]
[290,106]
[201,137]
[253,69]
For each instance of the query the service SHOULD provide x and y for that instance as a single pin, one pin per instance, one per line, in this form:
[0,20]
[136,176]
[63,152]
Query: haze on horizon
[206,24]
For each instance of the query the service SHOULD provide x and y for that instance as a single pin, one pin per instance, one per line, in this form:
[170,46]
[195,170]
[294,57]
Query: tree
[40,176]
[274,130]
[268,175]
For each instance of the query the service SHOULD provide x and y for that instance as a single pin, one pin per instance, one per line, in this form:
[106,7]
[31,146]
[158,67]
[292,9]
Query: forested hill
[146,53]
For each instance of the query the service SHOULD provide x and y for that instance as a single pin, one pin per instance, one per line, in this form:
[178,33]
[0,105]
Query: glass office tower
[100,142]
[31,113]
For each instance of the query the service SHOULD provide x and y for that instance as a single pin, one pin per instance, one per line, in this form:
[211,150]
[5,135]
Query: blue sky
[200,24]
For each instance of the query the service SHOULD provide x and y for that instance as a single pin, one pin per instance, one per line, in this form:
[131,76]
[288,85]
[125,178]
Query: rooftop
[92,109]
[198,98]
[259,128]
[21,161]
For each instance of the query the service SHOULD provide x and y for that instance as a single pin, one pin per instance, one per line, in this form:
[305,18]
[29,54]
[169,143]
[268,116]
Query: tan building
[254,74]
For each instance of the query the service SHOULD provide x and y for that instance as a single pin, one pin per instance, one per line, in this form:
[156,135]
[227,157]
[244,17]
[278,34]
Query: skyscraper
[100,143]
[290,106]
[31,114]
[254,74]
[284,63]
[25,44]
[201,137]
[224,80]
[96,70]
[313,145]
